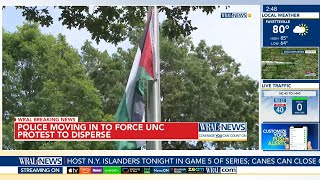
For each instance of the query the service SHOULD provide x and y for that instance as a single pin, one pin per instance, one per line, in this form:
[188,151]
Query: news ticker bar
[118,170]
[159,161]
[37,129]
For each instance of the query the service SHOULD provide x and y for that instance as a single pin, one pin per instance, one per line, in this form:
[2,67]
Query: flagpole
[154,102]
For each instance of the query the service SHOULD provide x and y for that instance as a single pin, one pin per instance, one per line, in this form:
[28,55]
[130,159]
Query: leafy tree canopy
[43,76]
[113,23]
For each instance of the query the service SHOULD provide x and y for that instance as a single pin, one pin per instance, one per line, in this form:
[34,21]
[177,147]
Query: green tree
[198,83]
[113,23]
[203,83]
[43,76]
[109,73]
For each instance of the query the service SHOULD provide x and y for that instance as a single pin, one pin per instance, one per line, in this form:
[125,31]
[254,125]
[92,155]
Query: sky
[240,38]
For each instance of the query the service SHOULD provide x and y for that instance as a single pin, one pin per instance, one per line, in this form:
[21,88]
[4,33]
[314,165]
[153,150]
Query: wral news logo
[222,131]
[236,15]
[222,127]
[40,161]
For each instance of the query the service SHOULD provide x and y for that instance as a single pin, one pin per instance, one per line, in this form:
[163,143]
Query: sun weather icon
[302,29]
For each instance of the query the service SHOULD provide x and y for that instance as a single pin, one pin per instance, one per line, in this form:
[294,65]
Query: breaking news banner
[45,119]
[154,164]
[69,129]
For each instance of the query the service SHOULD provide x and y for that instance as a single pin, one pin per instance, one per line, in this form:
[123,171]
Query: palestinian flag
[132,106]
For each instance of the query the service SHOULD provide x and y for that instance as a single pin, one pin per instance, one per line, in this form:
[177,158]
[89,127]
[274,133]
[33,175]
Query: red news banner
[69,129]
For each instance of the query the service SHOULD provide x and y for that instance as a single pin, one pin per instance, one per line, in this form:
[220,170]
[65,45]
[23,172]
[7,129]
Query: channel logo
[146,170]
[161,170]
[85,170]
[223,127]
[236,15]
[40,161]
[114,170]
[221,170]
[178,170]
[96,170]
[196,170]
[73,170]
[131,170]
[222,131]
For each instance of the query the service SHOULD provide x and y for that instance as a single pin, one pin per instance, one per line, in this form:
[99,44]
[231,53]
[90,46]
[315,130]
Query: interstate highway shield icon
[280,105]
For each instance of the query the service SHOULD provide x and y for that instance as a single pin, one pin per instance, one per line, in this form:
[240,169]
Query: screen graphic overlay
[289,77]
[129,89]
